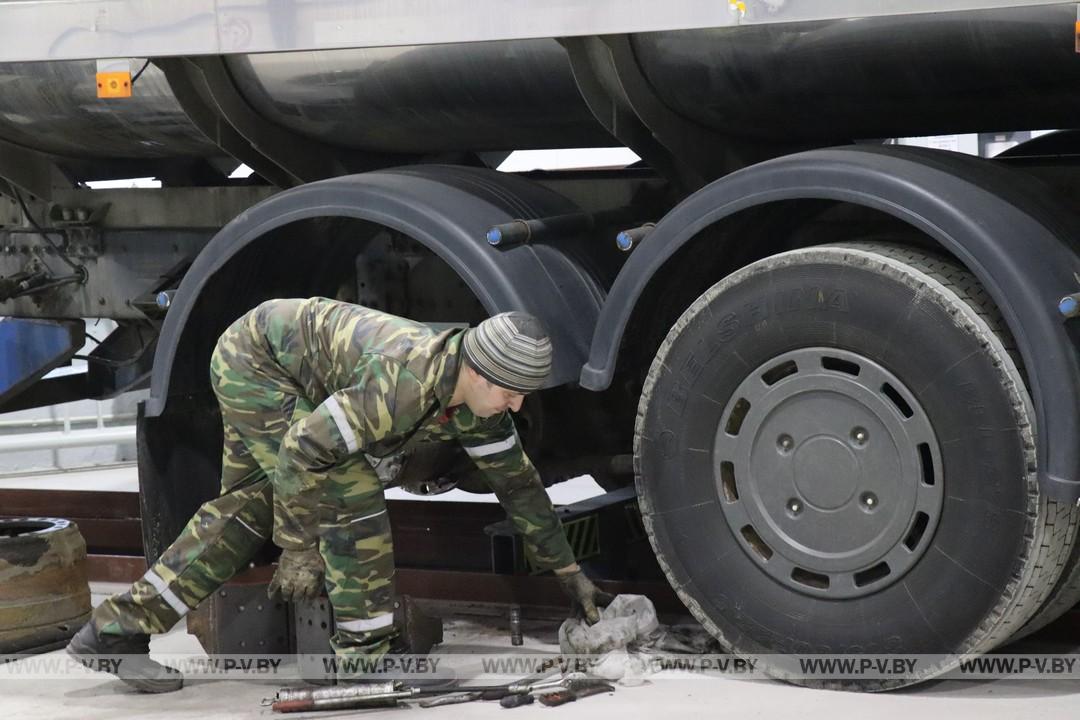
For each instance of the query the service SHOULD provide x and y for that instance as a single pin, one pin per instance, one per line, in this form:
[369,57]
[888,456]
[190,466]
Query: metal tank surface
[53,107]
[836,80]
[415,100]
[906,75]
[424,99]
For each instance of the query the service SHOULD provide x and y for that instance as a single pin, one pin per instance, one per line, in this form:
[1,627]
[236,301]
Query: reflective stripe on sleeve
[367,517]
[492,448]
[342,423]
[254,532]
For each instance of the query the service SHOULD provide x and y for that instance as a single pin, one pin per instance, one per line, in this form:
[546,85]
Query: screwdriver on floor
[561,697]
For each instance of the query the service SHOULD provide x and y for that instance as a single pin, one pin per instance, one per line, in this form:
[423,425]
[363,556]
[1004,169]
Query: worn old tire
[44,593]
[834,454]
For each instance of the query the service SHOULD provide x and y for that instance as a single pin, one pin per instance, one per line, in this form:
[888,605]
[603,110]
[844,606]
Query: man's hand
[299,575]
[584,594]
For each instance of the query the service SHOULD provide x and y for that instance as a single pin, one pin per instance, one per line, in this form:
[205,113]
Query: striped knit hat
[511,350]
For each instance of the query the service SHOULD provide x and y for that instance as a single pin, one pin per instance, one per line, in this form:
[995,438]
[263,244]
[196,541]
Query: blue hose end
[163,300]
[494,236]
[1068,306]
[623,241]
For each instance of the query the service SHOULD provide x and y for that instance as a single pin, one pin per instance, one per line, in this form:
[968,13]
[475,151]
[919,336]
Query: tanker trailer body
[839,365]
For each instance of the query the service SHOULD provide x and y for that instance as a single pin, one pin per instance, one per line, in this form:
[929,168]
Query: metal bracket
[592,66]
[207,92]
[625,102]
[79,243]
[189,87]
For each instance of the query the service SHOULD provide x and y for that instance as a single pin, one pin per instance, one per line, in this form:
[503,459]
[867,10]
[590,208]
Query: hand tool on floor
[513,701]
[381,695]
[454,699]
[459,695]
[569,691]
[561,697]
[386,694]
[360,695]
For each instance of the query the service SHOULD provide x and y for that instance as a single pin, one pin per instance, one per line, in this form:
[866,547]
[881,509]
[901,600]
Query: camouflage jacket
[378,384]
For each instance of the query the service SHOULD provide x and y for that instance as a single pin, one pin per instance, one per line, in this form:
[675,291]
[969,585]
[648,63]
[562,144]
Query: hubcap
[829,472]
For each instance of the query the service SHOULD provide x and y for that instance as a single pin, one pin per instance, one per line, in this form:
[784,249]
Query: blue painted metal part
[1069,306]
[164,299]
[29,348]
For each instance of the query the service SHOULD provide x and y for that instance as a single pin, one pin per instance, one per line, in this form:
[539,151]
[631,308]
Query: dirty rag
[627,633]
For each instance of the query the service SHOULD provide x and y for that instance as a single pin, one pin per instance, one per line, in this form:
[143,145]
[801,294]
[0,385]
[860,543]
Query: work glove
[586,596]
[299,575]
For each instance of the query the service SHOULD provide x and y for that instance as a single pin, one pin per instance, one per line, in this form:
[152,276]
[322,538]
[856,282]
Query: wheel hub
[829,472]
[825,472]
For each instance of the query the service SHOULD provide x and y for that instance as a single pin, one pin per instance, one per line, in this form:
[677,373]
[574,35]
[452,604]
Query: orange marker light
[113,84]
[1078,34]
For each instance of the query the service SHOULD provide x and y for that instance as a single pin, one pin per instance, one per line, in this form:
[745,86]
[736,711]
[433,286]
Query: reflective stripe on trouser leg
[224,533]
[220,539]
[358,550]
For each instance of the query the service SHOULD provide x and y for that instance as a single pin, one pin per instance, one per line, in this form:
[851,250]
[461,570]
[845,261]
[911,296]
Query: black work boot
[103,653]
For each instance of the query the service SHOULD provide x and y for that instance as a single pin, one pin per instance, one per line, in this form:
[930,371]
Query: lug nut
[869,501]
[785,443]
[794,507]
[859,436]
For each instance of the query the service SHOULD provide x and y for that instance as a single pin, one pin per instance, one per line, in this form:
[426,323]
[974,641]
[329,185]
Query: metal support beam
[624,101]
[301,156]
[304,159]
[189,87]
[591,63]
[123,361]
[209,95]
[51,391]
[202,208]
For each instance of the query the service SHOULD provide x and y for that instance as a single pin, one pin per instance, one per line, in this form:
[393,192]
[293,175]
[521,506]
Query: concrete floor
[84,695]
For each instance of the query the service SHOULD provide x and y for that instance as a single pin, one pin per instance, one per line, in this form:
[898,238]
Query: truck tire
[1065,596]
[834,454]
[44,592]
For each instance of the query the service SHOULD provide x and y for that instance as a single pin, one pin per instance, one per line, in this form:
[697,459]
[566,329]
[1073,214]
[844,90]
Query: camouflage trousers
[226,532]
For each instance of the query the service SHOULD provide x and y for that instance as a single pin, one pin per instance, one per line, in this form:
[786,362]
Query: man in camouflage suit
[307,388]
